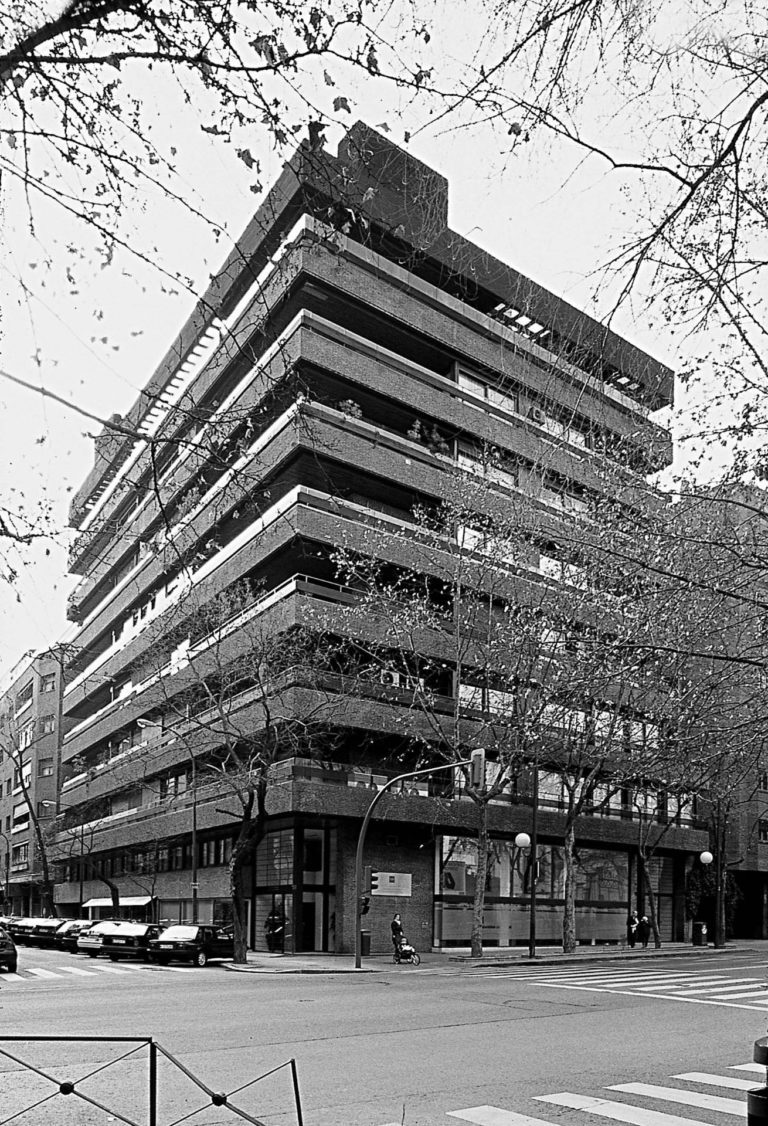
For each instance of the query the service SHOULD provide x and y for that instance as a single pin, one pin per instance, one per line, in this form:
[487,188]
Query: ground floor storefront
[300,892]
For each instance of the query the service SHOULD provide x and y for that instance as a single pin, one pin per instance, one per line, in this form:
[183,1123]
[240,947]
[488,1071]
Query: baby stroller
[404,952]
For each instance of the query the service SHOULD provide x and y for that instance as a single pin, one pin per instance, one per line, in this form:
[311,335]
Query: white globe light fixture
[522,840]
[706,857]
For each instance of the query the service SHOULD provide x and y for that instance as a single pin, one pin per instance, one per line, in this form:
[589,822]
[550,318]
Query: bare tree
[247,694]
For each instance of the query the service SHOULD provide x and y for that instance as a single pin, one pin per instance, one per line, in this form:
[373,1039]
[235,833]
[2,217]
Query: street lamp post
[361,842]
[7,873]
[63,808]
[706,858]
[534,864]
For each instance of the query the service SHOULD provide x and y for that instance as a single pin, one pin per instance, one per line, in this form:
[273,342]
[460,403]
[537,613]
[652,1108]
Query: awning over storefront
[125,901]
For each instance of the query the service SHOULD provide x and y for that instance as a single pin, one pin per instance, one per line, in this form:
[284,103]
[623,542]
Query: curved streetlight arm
[361,843]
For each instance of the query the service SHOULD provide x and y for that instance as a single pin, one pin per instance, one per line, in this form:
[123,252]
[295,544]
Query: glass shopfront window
[602,893]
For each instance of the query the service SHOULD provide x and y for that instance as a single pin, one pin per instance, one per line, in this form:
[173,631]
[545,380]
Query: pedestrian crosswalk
[29,975]
[735,988]
[634,1104]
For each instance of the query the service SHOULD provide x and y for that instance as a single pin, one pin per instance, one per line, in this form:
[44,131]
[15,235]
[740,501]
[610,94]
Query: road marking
[718,1080]
[756,1068]
[619,1112]
[111,970]
[76,970]
[42,973]
[687,1098]
[761,993]
[16,978]
[721,990]
[494,1116]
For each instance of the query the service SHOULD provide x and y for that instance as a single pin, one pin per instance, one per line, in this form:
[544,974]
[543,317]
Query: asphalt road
[409,1047]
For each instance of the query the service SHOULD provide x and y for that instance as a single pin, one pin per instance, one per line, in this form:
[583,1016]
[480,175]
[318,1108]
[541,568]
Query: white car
[90,941]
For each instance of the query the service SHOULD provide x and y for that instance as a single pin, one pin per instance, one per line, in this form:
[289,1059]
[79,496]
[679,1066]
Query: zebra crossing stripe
[761,993]
[722,990]
[687,1098]
[42,973]
[755,1068]
[728,1081]
[618,1112]
[649,978]
[76,970]
[494,1116]
[15,978]
[112,970]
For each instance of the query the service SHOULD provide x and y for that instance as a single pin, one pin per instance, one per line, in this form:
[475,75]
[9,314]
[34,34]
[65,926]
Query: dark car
[22,929]
[8,956]
[44,931]
[128,940]
[68,933]
[188,942]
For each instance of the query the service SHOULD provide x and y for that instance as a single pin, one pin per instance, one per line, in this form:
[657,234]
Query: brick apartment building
[351,349]
[30,714]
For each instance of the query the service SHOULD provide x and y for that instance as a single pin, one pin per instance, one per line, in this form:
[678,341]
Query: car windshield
[180,932]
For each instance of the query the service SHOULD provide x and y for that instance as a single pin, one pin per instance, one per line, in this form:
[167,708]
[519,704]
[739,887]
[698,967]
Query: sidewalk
[455,960]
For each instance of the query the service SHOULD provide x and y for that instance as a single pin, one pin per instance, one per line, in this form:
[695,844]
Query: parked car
[8,955]
[128,940]
[68,933]
[188,942]
[89,940]
[22,929]
[44,931]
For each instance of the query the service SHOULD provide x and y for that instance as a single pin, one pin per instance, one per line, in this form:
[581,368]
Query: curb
[577,959]
[519,962]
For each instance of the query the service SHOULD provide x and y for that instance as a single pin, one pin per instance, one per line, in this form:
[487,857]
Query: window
[8,786]
[122,803]
[490,463]
[26,735]
[505,397]
[762,831]
[48,682]
[763,780]
[45,767]
[20,816]
[22,776]
[47,724]
[24,697]
[20,854]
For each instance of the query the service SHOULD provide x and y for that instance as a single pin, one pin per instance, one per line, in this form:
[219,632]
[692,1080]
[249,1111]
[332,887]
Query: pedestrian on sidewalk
[632,924]
[644,931]
[397,932]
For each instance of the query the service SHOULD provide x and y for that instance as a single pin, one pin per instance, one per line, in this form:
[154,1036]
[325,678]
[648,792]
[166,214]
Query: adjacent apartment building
[30,713]
[352,351]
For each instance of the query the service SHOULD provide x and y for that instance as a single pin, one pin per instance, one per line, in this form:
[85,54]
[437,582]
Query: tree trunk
[569,912]
[476,939]
[650,902]
[239,908]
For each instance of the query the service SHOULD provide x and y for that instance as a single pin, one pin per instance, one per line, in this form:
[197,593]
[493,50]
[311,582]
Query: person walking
[644,931]
[397,932]
[632,924]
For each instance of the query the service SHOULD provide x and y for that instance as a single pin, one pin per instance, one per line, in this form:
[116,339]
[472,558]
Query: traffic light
[370,880]
[365,904]
[374,880]
[477,768]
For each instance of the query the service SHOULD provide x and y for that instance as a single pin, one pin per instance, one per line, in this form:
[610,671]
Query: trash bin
[699,934]
[365,944]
